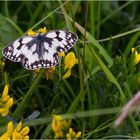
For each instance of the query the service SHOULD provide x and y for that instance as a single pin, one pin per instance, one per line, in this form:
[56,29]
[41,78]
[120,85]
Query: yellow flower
[19,127]
[56,123]
[137,59]
[31,33]
[69,62]
[10,127]
[59,126]
[67,74]
[5,91]
[78,135]
[72,134]
[137,56]
[61,54]
[18,133]
[41,30]
[59,134]
[5,137]
[66,123]
[5,102]
[16,136]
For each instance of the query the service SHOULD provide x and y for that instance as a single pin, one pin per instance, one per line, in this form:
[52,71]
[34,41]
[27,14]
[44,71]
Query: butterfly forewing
[40,52]
[17,50]
[61,40]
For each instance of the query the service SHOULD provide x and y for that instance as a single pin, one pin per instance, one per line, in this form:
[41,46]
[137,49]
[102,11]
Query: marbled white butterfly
[41,49]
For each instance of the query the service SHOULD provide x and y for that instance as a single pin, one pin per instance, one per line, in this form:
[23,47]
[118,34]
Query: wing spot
[26,40]
[69,35]
[34,66]
[64,42]
[62,34]
[51,35]
[16,44]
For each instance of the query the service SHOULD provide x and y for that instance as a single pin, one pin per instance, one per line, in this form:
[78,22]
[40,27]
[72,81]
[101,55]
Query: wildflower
[72,134]
[31,33]
[41,30]
[66,123]
[59,125]
[61,54]
[137,56]
[67,74]
[56,123]
[17,133]
[69,62]
[5,102]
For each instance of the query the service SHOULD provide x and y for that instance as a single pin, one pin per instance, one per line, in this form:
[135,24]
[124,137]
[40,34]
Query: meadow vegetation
[83,95]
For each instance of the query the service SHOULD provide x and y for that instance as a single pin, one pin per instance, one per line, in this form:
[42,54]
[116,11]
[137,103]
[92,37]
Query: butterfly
[40,50]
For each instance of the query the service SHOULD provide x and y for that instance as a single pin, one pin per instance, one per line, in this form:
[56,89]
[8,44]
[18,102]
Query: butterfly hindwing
[50,56]
[40,51]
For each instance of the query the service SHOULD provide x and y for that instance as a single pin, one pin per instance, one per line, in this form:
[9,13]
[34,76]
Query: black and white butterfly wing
[56,41]
[35,53]
[22,50]
[60,40]
[17,50]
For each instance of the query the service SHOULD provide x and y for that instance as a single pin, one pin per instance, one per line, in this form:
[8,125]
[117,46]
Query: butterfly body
[41,50]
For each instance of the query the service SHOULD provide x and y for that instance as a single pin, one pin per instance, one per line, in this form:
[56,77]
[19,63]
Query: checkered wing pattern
[40,51]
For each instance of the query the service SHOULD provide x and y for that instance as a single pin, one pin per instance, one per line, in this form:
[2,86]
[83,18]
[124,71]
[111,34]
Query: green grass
[104,80]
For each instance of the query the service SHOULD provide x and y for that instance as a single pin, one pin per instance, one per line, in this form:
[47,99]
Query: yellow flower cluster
[5,102]
[137,56]
[18,133]
[60,126]
[32,33]
[11,134]
[73,135]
